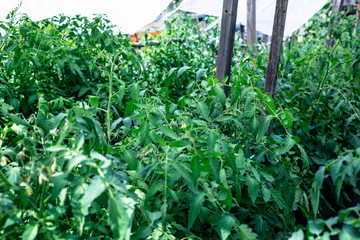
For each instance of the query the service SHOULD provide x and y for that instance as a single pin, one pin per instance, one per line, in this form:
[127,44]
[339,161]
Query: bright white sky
[131,15]
[298,13]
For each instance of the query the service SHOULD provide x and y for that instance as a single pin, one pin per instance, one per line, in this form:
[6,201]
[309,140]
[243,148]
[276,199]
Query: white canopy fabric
[298,13]
[128,15]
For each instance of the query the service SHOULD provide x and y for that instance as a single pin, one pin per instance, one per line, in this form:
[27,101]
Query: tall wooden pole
[276,47]
[336,7]
[251,23]
[226,46]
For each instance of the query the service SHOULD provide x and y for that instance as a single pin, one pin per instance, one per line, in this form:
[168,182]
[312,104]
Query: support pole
[251,23]
[337,5]
[357,10]
[276,47]
[226,46]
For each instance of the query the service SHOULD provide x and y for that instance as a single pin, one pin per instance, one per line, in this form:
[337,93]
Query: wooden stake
[276,47]
[272,70]
[251,23]
[336,7]
[226,46]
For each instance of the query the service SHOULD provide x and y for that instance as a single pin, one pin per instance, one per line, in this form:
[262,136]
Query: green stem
[42,199]
[110,96]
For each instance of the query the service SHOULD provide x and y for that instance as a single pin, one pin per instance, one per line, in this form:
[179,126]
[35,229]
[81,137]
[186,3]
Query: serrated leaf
[266,193]
[31,231]
[223,181]
[269,105]
[287,119]
[94,190]
[180,144]
[225,225]
[144,130]
[304,157]
[224,118]
[211,141]
[135,91]
[253,188]
[276,194]
[245,232]
[263,127]
[156,138]
[289,143]
[196,202]
[315,197]
[130,158]
[204,109]
[220,94]
[120,210]
[185,174]
[168,132]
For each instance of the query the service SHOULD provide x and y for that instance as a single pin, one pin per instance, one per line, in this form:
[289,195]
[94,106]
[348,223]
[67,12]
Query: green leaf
[264,125]
[185,174]
[266,193]
[286,118]
[94,190]
[18,120]
[182,70]
[225,225]
[350,233]
[31,231]
[204,109]
[253,188]
[195,169]
[211,141]
[269,105]
[14,175]
[121,211]
[144,130]
[196,202]
[156,138]
[319,176]
[180,144]
[304,157]
[130,108]
[135,91]
[130,158]
[299,235]
[59,181]
[245,232]
[223,181]
[315,228]
[200,72]
[276,194]
[75,161]
[224,118]
[220,94]
[168,132]
[289,143]
[315,197]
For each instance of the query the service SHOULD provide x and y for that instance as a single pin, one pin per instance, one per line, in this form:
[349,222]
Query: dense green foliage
[100,141]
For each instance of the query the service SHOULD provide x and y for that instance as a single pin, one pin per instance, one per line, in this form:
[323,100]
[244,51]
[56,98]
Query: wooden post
[226,46]
[357,10]
[276,47]
[251,23]
[336,7]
